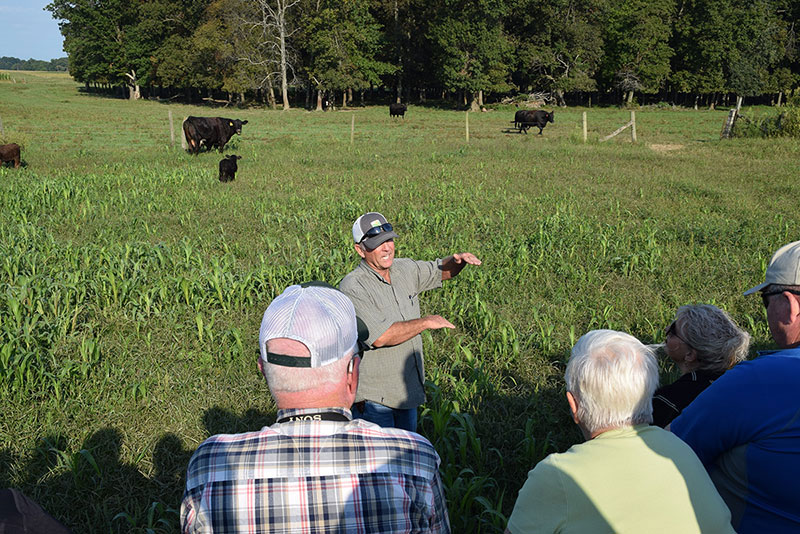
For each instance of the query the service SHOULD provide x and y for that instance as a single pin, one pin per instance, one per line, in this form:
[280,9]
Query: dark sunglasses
[765,296]
[376,230]
[672,330]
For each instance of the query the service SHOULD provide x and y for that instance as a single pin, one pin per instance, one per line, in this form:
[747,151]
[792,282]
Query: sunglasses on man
[376,230]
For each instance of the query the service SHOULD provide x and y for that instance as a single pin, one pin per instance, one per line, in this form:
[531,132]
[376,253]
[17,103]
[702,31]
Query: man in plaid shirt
[316,470]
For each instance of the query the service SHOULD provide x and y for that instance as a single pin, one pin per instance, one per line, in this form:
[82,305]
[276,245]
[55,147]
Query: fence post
[171,130]
[584,127]
[1,126]
[352,127]
[633,126]
[467,126]
[727,128]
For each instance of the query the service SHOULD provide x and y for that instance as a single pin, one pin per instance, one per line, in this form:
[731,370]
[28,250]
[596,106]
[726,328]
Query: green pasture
[132,282]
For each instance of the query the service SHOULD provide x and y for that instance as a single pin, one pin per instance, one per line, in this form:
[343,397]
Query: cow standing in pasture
[228,168]
[9,153]
[210,132]
[524,119]
[397,110]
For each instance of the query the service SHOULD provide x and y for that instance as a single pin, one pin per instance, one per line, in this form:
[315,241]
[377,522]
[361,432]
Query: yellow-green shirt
[639,479]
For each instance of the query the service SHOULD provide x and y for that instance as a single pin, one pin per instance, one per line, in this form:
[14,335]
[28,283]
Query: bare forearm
[452,265]
[402,331]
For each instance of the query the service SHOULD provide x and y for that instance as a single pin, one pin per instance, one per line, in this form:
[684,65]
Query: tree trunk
[480,98]
[474,106]
[780,98]
[739,100]
[319,100]
[560,98]
[284,83]
[349,96]
[629,99]
[271,94]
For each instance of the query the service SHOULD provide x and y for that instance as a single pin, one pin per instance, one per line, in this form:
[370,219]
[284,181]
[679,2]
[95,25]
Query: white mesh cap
[783,269]
[317,315]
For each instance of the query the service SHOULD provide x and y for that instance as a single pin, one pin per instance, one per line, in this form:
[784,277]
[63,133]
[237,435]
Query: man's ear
[573,407]
[794,307]
[358,249]
[352,376]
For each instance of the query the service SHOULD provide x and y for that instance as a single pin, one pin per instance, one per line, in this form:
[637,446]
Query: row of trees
[468,48]
[15,63]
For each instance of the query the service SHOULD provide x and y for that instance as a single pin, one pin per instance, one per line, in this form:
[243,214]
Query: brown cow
[8,153]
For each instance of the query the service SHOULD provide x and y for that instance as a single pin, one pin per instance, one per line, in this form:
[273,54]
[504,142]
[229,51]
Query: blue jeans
[387,417]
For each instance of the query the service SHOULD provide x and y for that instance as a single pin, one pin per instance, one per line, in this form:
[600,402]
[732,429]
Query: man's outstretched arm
[452,265]
[402,331]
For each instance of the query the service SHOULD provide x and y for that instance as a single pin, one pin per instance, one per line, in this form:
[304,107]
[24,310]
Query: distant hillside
[14,63]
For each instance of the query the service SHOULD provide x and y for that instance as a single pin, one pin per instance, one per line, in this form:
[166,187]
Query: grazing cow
[9,153]
[210,132]
[538,118]
[228,168]
[397,110]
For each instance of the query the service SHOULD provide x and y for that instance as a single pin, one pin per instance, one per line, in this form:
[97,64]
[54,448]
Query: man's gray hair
[613,376]
[282,379]
[719,342]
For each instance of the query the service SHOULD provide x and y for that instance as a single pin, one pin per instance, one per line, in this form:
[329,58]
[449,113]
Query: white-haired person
[703,342]
[628,476]
[316,469]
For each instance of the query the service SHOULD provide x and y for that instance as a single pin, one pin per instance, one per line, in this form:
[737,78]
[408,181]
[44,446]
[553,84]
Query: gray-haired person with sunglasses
[745,427]
[385,291]
[703,342]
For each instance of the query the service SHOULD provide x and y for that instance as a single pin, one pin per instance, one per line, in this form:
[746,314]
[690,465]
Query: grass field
[132,282]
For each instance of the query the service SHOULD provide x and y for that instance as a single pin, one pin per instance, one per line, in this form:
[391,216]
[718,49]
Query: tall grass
[132,282]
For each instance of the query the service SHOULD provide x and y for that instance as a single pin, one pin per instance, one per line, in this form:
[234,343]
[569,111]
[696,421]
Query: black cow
[538,118]
[210,132]
[518,117]
[397,110]
[10,153]
[228,168]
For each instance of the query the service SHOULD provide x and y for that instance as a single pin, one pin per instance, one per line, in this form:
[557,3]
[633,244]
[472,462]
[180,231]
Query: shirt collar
[364,265]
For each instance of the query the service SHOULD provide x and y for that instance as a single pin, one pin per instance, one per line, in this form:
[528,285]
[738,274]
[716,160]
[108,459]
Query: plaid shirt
[315,477]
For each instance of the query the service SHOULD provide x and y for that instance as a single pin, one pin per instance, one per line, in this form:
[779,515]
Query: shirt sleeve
[721,417]
[541,504]
[429,274]
[440,523]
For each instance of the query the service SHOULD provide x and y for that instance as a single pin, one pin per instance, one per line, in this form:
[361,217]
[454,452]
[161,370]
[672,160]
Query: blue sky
[27,31]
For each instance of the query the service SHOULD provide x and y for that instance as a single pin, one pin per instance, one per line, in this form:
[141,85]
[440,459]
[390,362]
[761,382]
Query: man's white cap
[317,315]
[783,269]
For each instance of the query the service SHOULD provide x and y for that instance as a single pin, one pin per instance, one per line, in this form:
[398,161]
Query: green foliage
[344,42]
[784,124]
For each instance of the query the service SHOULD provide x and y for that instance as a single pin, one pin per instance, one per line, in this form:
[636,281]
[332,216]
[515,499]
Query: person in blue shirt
[745,427]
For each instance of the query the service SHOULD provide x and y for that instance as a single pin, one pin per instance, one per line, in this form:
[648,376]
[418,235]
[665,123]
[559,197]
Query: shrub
[786,124]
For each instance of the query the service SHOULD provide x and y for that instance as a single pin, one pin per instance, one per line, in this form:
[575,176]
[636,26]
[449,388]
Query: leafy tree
[637,52]
[471,50]
[343,43]
[564,54]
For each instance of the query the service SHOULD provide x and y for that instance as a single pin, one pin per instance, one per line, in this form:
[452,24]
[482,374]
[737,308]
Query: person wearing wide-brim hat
[745,427]
[385,291]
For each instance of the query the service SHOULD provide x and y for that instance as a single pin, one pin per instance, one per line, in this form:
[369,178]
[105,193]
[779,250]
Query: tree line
[15,63]
[413,50]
